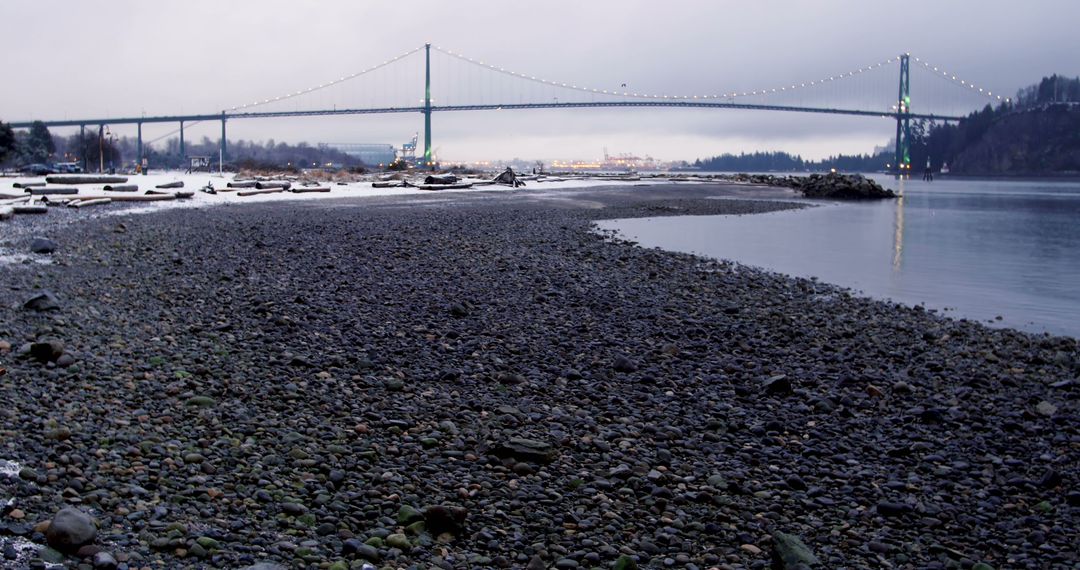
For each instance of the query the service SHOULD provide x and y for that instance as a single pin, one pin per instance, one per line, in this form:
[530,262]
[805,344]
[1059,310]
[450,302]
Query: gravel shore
[483,381]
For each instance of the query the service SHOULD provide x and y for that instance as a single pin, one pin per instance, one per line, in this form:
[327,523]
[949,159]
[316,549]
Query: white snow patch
[193,182]
[9,468]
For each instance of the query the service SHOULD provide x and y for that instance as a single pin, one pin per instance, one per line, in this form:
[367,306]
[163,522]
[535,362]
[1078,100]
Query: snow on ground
[193,182]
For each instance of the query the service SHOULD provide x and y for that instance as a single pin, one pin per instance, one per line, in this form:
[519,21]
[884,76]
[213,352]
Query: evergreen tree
[39,144]
[7,141]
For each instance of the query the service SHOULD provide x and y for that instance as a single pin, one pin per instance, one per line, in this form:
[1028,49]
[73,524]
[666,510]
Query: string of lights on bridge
[720,96]
[961,82]
[731,95]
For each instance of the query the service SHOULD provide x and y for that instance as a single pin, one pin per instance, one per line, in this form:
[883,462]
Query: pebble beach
[483,380]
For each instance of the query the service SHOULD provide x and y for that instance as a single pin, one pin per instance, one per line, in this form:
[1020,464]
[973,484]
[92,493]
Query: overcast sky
[93,58]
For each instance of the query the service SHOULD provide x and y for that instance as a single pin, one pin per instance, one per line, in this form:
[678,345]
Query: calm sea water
[976,249]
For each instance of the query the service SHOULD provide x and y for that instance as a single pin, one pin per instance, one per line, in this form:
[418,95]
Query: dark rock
[790,553]
[293,509]
[526,450]
[44,301]
[624,364]
[778,384]
[444,518]
[105,561]
[47,351]
[368,552]
[43,245]
[351,546]
[70,529]
[407,515]
[892,509]
[795,482]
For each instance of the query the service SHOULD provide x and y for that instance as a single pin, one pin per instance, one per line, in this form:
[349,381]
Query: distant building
[369,154]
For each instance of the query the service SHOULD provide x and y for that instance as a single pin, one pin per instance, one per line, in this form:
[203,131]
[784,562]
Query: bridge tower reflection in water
[898,229]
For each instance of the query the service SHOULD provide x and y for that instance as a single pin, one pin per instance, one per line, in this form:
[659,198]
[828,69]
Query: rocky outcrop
[833,186]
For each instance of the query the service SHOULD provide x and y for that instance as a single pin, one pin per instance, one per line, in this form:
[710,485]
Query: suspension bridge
[466,84]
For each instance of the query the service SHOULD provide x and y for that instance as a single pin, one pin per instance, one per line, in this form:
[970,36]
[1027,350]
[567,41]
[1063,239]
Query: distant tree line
[37,145]
[785,162]
[1044,117]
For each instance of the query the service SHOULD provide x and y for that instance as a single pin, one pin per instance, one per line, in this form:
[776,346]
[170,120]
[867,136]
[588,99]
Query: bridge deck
[569,105]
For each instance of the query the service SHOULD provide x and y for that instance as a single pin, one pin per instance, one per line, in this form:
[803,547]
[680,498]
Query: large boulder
[43,301]
[790,553]
[70,529]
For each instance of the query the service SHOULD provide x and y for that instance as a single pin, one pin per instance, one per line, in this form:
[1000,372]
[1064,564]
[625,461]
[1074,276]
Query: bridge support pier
[101,147]
[183,157]
[903,119]
[82,146]
[138,149]
[428,162]
[221,151]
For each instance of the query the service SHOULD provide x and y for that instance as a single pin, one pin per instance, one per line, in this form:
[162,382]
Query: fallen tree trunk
[461,186]
[242,184]
[306,189]
[254,192]
[88,203]
[177,184]
[30,209]
[133,198]
[51,191]
[122,188]
[153,192]
[83,179]
[270,185]
[440,179]
[28,184]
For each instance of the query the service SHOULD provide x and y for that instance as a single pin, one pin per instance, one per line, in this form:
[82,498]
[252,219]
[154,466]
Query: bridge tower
[903,121]
[427,106]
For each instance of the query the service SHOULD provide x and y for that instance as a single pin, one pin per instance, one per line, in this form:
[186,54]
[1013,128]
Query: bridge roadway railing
[487,107]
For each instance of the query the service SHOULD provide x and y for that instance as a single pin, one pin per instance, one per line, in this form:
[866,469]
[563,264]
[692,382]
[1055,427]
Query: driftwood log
[241,184]
[306,189]
[122,188]
[32,209]
[167,185]
[51,191]
[83,179]
[440,179]
[255,192]
[88,203]
[387,184]
[269,185]
[132,197]
[508,178]
[28,184]
[460,186]
[153,192]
